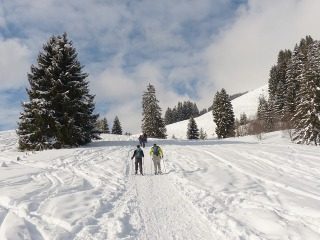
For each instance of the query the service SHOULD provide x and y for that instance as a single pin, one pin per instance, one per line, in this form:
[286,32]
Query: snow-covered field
[238,188]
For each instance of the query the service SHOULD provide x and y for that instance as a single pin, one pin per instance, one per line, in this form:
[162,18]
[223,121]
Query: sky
[187,49]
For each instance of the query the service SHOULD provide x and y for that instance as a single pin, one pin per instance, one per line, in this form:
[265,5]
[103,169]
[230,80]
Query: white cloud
[14,64]
[128,44]
[113,84]
[241,56]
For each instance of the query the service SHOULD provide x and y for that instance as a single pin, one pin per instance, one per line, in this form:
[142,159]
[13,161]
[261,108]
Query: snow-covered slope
[230,189]
[247,103]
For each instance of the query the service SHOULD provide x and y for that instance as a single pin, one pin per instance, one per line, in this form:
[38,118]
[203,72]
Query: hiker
[138,154]
[140,140]
[145,137]
[156,154]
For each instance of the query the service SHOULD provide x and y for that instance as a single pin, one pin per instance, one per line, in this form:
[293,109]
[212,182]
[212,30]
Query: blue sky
[187,48]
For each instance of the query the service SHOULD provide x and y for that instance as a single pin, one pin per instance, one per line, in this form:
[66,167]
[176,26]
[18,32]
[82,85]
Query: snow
[247,103]
[238,188]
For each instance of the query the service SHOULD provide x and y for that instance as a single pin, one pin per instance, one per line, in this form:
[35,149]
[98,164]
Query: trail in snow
[233,189]
[165,213]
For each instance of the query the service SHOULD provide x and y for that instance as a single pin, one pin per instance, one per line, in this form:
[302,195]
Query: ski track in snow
[237,189]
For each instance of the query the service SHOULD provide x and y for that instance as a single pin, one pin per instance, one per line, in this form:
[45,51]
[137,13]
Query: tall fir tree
[307,115]
[60,109]
[265,114]
[202,134]
[168,116]
[105,126]
[193,131]
[294,73]
[180,114]
[277,83]
[116,128]
[152,122]
[243,119]
[223,115]
[183,111]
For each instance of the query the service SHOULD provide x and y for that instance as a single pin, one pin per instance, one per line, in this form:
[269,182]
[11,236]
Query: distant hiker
[143,140]
[156,154]
[140,140]
[145,137]
[138,154]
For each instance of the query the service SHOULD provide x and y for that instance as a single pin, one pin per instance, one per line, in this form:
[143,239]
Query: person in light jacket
[156,153]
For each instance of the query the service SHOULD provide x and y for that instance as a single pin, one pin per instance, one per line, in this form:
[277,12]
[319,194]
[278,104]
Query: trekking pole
[164,166]
[143,171]
[131,160]
[132,166]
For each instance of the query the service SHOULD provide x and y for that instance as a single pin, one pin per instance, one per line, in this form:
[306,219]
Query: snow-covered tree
[116,128]
[307,115]
[277,83]
[202,134]
[294,73]
[152,122]
[243,119]
[203,111]
[60,109]
[103,126]
[183,111]
[265,114]
[193,131]
[168,117]
[223,115]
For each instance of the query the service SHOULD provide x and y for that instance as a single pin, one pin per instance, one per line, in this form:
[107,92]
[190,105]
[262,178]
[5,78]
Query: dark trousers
[138,162]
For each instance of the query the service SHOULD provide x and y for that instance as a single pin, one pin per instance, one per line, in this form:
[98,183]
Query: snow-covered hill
[247,103]
[229,189]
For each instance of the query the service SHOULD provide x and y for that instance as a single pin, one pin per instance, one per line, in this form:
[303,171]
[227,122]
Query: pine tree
[104,126]
[168,117]
[223,115]
[203,111]
[180,115]
[262,111]
[277,83]
[116,128]
[294,73]
[307,116]
[243,119]
[203,134]
[265,114]
[182,111]
[193,131]
[60,109]
[152,122]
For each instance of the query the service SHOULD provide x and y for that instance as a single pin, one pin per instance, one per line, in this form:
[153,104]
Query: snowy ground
[233,189]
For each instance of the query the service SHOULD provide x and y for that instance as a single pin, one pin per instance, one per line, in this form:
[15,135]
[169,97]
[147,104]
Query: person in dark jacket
[141,140]
[138,155]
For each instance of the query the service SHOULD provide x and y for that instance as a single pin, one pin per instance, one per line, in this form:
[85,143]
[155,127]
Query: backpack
[156,151]
[139,153]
